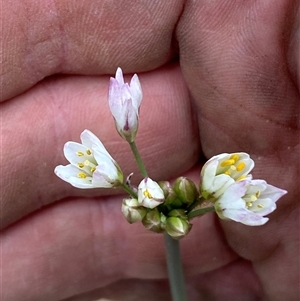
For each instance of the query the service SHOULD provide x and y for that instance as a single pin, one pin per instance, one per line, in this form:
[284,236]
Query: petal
[101,179]
[154,188]
[208,173]
[89,140]
[102,156]
[119,76]
[263,206]
[245,217]
[69,174]
[72,151]
[136,91]
[270,191]
[220,185]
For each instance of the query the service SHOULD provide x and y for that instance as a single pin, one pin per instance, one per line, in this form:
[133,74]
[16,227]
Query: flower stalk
[138,159]
[175,270]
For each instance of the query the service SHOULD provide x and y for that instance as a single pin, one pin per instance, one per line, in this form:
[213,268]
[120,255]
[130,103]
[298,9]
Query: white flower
[91,165]
[150,195]
[248,202]
[221,171]
[124,101]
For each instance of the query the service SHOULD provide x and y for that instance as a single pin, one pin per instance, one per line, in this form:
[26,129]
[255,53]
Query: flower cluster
[226,185]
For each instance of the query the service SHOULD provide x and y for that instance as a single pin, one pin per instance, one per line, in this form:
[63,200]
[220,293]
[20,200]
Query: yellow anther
[227,172]
[227,163]
[80,165]
[147,194]
[81,175]
[235,157]
[260,206]
[249,204]
[93,169]
[80,154]
[257,194]
[88,152]
[241,166]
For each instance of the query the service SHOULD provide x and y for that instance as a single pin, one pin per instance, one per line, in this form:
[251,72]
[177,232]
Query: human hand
[77,243]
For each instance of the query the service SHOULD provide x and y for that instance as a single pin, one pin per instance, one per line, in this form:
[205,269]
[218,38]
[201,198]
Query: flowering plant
[225,185]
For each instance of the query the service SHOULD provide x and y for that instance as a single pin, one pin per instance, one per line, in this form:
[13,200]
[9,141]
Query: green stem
[195,204]
[200,212]
[129,191]
[138,159]
[175,271]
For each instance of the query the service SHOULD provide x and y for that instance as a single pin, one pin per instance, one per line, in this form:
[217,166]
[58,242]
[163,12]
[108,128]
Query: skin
[217,77]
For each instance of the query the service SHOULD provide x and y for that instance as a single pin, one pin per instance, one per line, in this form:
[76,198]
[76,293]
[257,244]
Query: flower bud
[154,221]
[171,199]
[177,227]
[150,195]
[133,211]
[186,190]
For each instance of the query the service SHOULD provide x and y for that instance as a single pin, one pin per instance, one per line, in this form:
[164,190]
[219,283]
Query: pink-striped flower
[124,101]
[248,202]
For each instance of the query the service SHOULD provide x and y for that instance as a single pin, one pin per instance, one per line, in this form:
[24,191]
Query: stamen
[88,151]
[241,166]
[249,204]
[235,157]
[80,165]
[147,194]
[260,206]
[227,163]
[227,172]
[257,194]
[80,154]
[93,169]
[81,175]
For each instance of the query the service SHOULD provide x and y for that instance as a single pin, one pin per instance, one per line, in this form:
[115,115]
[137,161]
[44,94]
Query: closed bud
[133,211]
[177,227]
[154,221]
[186,190]
[171,198]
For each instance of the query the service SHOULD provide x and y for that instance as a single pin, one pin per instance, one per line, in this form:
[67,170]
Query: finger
[87,242]
[38,123]
[236,66]
[235,69]
[93,37]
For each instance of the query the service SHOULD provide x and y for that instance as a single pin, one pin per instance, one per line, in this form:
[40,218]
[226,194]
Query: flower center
[251,199]
[147,194]
[87,166]
[232,166]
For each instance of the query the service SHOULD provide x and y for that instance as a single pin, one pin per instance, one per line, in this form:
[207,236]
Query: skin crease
[217,77]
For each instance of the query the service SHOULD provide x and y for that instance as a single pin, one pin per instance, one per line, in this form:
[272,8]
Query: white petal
[69,174]
[136,91]
[119,76]
[89,139]
[70,152]
[245,217]
[220,185]
[268,206]
[208,173]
